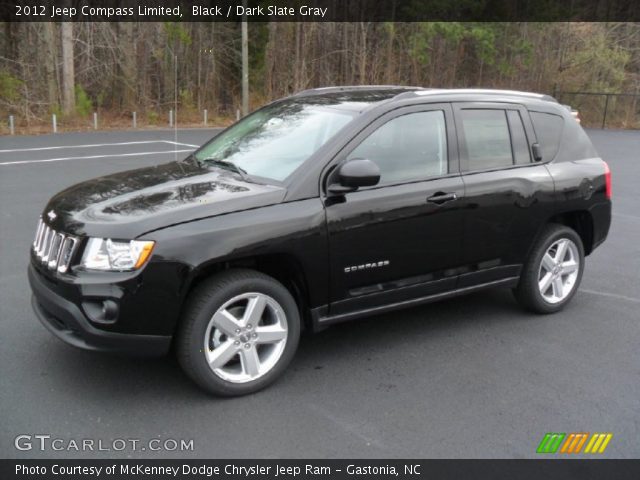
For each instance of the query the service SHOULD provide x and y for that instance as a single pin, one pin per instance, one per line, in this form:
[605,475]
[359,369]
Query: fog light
[109,310]
[101,311]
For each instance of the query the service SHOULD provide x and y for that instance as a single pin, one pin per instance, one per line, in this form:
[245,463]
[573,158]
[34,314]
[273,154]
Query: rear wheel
[239,332]
[553,271]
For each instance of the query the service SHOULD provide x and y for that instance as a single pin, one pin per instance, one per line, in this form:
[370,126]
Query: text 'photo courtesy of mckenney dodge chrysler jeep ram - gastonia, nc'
[331,205]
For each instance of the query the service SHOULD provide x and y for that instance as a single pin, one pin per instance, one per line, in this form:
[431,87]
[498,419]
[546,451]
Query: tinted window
[548,129]
[410,147]
[518,138]
[487,140]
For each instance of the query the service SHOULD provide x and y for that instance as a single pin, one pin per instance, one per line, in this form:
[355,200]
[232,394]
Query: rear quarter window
[548,128]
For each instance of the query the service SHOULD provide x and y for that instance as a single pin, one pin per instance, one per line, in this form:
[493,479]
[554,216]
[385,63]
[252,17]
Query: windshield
[275,140]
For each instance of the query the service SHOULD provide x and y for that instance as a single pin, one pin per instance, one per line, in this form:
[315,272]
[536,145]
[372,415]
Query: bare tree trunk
[296,65]
[199,70]
[68,76]
[245,66]
[50,64]
[129,48]
[362,74]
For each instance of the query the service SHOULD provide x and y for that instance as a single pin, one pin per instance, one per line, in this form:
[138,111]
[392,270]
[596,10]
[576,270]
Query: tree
[68,74]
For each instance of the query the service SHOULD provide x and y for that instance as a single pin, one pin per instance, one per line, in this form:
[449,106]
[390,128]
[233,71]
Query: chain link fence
[604,110]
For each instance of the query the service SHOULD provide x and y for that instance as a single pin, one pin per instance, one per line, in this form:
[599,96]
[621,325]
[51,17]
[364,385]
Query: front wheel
[239,332]
[553,271]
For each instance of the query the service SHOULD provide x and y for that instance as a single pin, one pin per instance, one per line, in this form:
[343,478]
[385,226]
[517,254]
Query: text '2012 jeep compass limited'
[326,206]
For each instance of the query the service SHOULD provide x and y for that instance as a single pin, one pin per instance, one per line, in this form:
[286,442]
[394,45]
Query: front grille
[53,249]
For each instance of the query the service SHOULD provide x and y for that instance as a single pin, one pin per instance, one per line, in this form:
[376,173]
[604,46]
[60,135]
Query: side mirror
[354,174]
[537,152]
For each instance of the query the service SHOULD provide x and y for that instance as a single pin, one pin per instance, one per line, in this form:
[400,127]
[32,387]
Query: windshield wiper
[229,166]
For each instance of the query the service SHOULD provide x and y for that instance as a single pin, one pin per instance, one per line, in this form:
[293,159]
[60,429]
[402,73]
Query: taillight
[607,180]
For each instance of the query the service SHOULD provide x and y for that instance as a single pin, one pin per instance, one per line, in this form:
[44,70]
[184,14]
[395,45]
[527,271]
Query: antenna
[175,106]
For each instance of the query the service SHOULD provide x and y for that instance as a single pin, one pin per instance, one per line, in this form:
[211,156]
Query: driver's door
[402,238]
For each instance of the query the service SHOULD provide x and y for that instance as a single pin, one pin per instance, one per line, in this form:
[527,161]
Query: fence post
[237,114]
[54,121]
[95,120]
[135,120]
[171,118]
[606,106]
[11,128]
[205,117]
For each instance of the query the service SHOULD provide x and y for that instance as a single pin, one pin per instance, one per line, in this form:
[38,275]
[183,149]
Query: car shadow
[96,375]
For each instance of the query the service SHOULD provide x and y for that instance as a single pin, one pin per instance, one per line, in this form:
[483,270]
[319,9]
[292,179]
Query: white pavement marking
[611,295]
[141,142]
[21,162]
[183,144]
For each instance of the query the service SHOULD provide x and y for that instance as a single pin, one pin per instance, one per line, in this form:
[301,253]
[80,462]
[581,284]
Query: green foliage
[483,38]
[10,88]
[177,32]
[596,64]
[186,99]
[152,117]
[84,105]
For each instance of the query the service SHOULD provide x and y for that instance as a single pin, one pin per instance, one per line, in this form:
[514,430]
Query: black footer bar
[582,469]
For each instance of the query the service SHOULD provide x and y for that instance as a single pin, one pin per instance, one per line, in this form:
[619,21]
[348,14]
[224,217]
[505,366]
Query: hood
[127,204]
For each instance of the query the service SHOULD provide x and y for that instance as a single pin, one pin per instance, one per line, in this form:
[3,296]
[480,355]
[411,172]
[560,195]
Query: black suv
[326,206]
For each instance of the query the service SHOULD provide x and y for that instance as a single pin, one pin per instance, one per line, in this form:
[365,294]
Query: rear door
[400,239]
[507,194]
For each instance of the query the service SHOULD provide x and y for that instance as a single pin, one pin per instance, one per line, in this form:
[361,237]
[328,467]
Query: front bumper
[67,322]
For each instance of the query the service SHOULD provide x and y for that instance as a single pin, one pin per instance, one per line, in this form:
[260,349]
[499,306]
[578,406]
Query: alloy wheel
[246,337]
[559,270]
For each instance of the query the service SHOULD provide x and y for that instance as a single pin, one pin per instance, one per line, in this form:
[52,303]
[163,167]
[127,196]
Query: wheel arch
[581,221]
[283,267]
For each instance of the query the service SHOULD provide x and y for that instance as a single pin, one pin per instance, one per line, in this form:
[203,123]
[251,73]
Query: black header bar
[319,10]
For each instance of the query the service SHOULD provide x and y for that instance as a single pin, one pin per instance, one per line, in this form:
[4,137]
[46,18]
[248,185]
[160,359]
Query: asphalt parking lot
[469,377]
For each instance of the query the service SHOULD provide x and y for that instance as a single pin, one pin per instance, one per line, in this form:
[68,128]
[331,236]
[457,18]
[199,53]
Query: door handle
[441,197]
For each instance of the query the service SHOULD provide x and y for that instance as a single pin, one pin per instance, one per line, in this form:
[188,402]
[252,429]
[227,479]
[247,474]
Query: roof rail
[486,91]
[351,88]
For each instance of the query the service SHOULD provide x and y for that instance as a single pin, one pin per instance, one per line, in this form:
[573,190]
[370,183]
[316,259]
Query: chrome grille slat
[38,235]
[66,253]
[54,249]
[54,254]
[45,243]
[47,246]
[38,232]
[41,239]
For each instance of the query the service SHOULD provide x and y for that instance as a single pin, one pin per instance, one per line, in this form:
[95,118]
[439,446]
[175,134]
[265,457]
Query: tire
[218,346]
[531,292]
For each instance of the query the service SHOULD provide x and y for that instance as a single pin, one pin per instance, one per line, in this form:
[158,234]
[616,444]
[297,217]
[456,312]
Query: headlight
[107,254]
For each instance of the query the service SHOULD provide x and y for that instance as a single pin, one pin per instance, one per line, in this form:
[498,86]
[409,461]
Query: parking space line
[58,147]
[21,162]
[611,295]
[178,143]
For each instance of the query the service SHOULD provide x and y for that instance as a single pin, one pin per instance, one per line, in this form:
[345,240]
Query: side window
[406,148]
[487,139]
[548,129]
[521,151]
